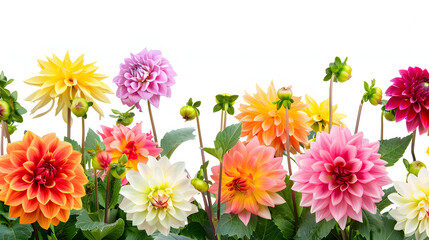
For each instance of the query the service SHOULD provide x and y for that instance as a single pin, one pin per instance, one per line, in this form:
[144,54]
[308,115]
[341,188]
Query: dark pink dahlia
[410,97]
[144,76]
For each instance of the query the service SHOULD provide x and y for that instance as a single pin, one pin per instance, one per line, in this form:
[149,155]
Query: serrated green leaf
[171,236]
[392,150]
[231,225]
[91,140]
[229,137]
[94,229]
[74,144]
[132,233]
[310,230]
[67,230]
[194,231]
[266,230]
[385,202]
[16,232]
[173,139]
[371,224]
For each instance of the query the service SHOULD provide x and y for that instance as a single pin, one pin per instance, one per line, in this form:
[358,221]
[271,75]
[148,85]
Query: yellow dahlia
[261,118]
[66,80]
[319,114]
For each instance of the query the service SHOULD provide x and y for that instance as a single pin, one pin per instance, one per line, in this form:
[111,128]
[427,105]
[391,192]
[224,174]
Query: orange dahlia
[41,179]
[251,178]
[261,118]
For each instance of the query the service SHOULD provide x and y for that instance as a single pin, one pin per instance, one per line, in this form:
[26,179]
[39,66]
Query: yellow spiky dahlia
[319,115]
[65,80]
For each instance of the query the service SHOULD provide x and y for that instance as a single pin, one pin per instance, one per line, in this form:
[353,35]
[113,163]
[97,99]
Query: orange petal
[57,197]
[40,145]
[50,210]
[5,165]
[55,221]
[33,155]
[64,186]
[43,221]
[30,205]
[15,211]
[14,198]
[77,204]
[15,146]
[28,138]
[18,184]
[18,157]
[33,190]
[43,195]
[63,215]
[27,218]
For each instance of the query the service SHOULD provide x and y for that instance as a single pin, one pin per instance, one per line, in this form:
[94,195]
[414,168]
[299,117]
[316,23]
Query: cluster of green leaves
[10,228]
[225,140]
[369,90]
[225,102]
[123,118]
[195,105]
[16,110]
[335,69]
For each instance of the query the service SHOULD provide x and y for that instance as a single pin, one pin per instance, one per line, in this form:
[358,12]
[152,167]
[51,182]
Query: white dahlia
[159,196]
[412,200]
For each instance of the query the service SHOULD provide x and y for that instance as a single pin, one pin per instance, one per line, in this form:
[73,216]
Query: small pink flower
[144,76]
[340,175]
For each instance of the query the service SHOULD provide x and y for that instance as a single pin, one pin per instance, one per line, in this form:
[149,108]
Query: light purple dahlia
[144,76]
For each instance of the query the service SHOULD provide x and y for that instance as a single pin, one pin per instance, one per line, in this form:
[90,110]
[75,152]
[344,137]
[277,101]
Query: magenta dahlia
[340,175]
[410,97]
[144,76]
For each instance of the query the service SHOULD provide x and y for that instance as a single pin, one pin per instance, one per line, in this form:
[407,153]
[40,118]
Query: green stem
[413,143]
[96,190]
[382,126]
[83,145]
[295,211]
[358,117]
[36,232]
[106,212]
[152,122]
[68,122]
[331,83]
[344,234]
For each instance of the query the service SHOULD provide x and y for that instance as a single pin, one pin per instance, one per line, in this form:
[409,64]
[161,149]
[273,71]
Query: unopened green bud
[79,106]
[124,121]
[225,94]
[200,185]
[389,116]
[119,172]
[285,93]
[375,99]
[345,73]
[188,113]
[4,110]
[415,167]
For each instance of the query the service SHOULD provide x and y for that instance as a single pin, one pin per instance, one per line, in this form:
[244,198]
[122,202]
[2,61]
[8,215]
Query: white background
[221,46]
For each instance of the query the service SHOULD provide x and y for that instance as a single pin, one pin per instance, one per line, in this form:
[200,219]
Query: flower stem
[203,159]
[83,144]
[413,143]
[358,117]
[344,234]
[96,189]
[6,131]
[289,165]
[382,126]
[106,212]
[36,232]
[219,192]
[152,122]
[331,83]
[68,122]
[2,138]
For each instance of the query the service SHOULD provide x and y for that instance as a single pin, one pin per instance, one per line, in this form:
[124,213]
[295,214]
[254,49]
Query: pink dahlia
[144,76]
[340,175]
[410,97]
[130,141]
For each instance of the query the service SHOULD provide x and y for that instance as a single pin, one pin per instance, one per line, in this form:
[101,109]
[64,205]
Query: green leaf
[173,139]
[74,144]
[21,111]
[115,111]
[94,229]
[266,230]
[229,137]
[310,230]
[132,233]
[115,187]
[217,107]
[14,95]
[392,150]
[230,110]
[366,86]
[194,231]
[197,104]
[213,152]
[371,223]
[91,140]
[15,232]
[67,230]
[189,103]
[385,202]
[232,226]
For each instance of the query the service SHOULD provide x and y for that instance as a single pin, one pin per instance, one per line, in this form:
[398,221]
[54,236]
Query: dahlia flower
[412,201]
[66,80]
[340,175]
[250,179]
[319,114]
[144,76]
[130,141]
[159,196]
[410,97]
[261,118]
[41,179]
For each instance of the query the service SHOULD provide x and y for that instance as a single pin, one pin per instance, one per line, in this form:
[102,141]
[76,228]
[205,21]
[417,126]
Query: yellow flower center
[159,198]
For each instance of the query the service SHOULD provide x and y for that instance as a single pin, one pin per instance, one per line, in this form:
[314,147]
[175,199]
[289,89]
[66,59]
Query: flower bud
[415,167]
[4,110]
[79,106]
[188,113]
[225,94]
[345,73]
[389,116]
[200,185]
[375,98]
[101,160]
[285,93]
[124,121]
